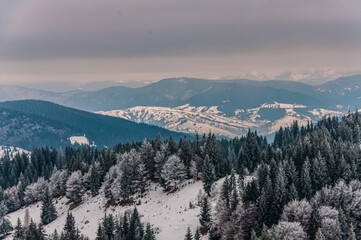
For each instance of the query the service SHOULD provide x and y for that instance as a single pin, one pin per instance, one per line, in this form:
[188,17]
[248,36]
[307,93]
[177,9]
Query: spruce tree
[188,234]
[197,235]
[205,217]
[48,211]
[149,233]
[305,184]
[207,175]
[135,227]
[19,231]
[315,222]
[70,232]
[32,231]
[108,226]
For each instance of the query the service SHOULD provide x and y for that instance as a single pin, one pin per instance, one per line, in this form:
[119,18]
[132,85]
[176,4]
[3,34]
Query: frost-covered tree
[58,183]
[160,158]
[36,191]
[173,172]
[12,198]
[289,231]
[74,187]
[298,211]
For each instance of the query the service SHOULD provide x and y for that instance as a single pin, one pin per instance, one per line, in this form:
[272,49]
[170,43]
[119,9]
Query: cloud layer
[147,39]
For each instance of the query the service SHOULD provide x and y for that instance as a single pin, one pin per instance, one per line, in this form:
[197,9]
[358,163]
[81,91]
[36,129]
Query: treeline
[262,179]
[308,187]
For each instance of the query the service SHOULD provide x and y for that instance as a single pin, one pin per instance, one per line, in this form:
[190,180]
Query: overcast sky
[89,40]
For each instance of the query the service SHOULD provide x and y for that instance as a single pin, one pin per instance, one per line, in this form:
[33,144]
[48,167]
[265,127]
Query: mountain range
[34,123]
[226,107]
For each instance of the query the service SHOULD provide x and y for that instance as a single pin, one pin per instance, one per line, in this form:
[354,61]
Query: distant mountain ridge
[34,123]
[198,92]
[240,103]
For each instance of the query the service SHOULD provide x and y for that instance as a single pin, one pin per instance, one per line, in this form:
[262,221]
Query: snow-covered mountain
[12,151]
[266,119]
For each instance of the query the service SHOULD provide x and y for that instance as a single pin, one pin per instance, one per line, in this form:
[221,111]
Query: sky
[142,40]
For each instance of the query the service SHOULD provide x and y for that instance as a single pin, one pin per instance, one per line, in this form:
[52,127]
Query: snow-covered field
[169,213]
[12,151]
[203,119]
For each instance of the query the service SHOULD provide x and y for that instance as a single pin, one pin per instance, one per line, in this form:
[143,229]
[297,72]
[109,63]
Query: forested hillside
[304,185]
[33,123]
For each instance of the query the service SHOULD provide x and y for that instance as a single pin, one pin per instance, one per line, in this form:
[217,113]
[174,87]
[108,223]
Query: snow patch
[81,140]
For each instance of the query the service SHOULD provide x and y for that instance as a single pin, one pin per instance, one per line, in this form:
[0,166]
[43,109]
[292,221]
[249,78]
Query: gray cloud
[46,30]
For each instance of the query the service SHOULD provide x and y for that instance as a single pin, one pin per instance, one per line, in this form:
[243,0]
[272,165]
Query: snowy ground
[169,214]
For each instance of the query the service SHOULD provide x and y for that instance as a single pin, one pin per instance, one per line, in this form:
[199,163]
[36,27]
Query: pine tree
[188,234]
[207,175]
[19,231]
[108,226]
[99,233]
[197,235]
[95,178]
[135,227]
[41,235]
[213,150]
[315,222]
[55,235]
[205,217]
[149,233]
[305,184]
[251,151]
[48,211]
[70,232]
[32,231]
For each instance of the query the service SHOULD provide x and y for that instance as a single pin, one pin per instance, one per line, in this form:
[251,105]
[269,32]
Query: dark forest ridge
[35,123]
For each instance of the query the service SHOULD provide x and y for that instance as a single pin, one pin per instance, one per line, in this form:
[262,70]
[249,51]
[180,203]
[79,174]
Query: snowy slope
[12,151]
[169,213]
[266,119]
